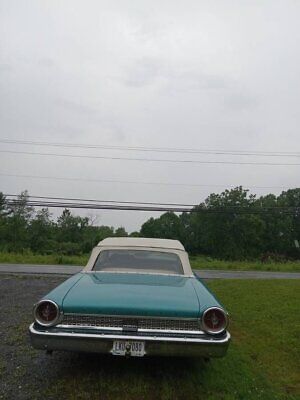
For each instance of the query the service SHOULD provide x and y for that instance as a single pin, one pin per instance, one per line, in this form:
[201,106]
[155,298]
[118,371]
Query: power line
[240,211]
[156,149]
[102,206]
[140,206]
[103,201]
[99,206]
[148,159]
[136,182]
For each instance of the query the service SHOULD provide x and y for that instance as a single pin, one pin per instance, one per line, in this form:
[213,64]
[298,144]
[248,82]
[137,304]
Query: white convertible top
[141,242]
[161,245]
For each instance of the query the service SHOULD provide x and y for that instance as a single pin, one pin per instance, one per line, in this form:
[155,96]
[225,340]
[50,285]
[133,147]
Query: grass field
[202,262]
[265,324]
[30,258]
[262,361]
[197,262]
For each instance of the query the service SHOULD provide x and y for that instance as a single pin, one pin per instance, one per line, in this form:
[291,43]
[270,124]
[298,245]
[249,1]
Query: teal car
[135,297]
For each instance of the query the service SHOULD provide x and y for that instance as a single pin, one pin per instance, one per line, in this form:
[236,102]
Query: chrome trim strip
[98,328]
[133,316]
[141,323]
[105,328]
[172,331]
[210,340]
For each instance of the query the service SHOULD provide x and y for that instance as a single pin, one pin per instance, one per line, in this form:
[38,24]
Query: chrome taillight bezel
[207,329]
[43,322]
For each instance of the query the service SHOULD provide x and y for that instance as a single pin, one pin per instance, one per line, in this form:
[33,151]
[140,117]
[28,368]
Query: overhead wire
[148,159]
[136,182]
[156,149]
[154,206]
[103,201]
[149,208]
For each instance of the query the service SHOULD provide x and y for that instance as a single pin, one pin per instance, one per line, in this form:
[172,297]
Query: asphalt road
[22,269]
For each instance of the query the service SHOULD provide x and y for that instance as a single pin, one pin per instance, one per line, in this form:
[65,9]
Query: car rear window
[138,261]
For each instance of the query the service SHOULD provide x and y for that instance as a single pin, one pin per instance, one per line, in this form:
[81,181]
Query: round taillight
[214,320]
[46,313]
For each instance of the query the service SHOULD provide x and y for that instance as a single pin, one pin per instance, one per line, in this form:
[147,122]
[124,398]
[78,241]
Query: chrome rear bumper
[196,346]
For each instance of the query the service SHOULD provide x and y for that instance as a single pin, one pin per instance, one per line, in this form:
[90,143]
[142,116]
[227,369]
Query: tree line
[233,224]
[23,228]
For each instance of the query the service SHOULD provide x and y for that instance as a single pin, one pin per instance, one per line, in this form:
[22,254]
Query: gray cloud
[5,68]
[197,75]
[241,100]
[46,62]
[144,72]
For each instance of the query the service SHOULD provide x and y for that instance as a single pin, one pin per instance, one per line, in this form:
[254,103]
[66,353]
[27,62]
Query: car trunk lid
[133,294]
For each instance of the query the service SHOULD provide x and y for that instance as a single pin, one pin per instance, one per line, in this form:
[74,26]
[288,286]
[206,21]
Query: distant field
[262,362]
[197,262]
[202,262]
[30,258]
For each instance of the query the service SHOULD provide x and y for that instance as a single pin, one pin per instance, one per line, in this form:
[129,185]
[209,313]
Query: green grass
[31,258]
[265,324]
[197,262]
[202,262]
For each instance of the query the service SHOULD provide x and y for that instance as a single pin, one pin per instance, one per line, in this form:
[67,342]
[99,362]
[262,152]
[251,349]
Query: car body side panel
[205,296]
[57,295]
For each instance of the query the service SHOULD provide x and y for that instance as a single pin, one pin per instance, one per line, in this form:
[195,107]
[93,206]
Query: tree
[4,209]
[20,207]
[222,227]
[41,231]
[70,227]
[18,222]
[4,212]
[233,224]
[168,226]
[121,232]
[291,200]
[135,234]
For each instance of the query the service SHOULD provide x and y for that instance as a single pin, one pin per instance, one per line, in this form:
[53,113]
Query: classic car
[135,297]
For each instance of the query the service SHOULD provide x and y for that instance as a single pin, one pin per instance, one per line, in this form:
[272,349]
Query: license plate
[128,347]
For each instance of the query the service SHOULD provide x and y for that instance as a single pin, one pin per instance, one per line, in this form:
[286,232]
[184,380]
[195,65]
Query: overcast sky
[183,74]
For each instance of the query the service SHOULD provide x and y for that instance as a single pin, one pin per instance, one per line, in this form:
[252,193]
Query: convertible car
[135,297]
